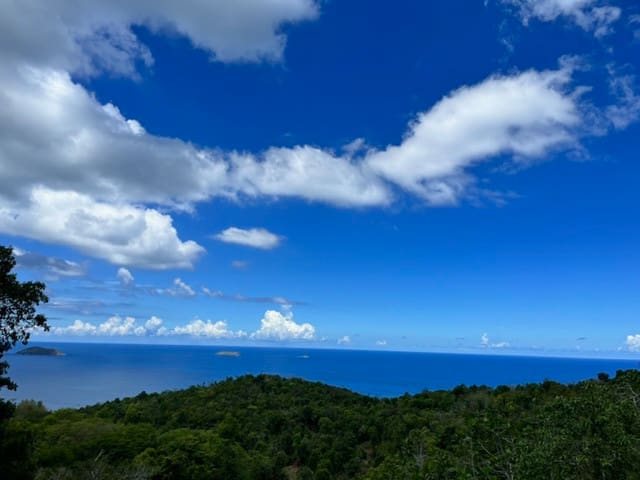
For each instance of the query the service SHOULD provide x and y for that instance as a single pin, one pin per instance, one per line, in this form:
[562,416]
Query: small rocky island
[226,353]
[52,352]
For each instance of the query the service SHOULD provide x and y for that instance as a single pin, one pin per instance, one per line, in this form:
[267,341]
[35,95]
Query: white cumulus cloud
[122,234]
[68,170]
[209,329]
[252,237]
[307,172]
[485,342]
[471,125]
[56,140]
[86,36]
[117,325]
[633,342]
[114,326]
[525,115]
[281,326]
[344,340]
[154,326]
[125,276]
[78,327]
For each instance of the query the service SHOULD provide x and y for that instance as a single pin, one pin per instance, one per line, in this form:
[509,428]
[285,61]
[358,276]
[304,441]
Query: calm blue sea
[91,373]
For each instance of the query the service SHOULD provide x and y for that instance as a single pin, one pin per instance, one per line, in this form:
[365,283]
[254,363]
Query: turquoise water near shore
[91,373]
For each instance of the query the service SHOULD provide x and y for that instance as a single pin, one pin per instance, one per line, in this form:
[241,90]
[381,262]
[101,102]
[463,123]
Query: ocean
[91,373]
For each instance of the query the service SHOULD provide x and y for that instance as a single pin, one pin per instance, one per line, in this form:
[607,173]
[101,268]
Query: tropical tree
[18,302]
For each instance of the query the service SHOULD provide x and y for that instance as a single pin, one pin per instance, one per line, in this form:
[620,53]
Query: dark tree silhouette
[18,302]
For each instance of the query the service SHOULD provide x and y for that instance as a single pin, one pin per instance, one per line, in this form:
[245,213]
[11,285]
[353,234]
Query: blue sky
[441,176]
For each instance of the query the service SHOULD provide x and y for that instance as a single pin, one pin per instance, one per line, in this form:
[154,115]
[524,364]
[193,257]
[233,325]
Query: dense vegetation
[266,427]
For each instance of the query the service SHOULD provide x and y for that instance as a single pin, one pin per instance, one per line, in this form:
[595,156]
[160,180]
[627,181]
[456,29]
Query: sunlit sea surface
[91,373]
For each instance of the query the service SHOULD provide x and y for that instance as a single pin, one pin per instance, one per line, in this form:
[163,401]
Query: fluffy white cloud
[125,276]
[59,146]
[344,340]
[153,326]
[86,36]
[89,147]
[252,237]
[274,326]
[381,343]
[116,325]
[78,327]
[278,326]
[524,115]
[53,131]
[486,343]
[209,329]
[633,343]
[590,15]
[122,234]
[310,173]
[79,173]
[113,326]
[57,140]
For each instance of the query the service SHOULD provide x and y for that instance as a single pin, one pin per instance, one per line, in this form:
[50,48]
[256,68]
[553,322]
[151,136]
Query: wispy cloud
[82,306]
[52,266]
[179,289]
[626,108]
[245,298]
[252,237]
[590,15]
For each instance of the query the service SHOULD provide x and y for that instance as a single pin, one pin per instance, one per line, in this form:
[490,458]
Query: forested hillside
[266,427]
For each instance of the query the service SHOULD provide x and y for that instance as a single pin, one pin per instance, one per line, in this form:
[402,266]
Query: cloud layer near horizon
[274,326]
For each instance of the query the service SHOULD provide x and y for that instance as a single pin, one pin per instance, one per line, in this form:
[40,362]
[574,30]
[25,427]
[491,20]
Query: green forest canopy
[268,427]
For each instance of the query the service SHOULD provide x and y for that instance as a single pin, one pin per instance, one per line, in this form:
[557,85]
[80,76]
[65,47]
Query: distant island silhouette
[52,352]
[227,353]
